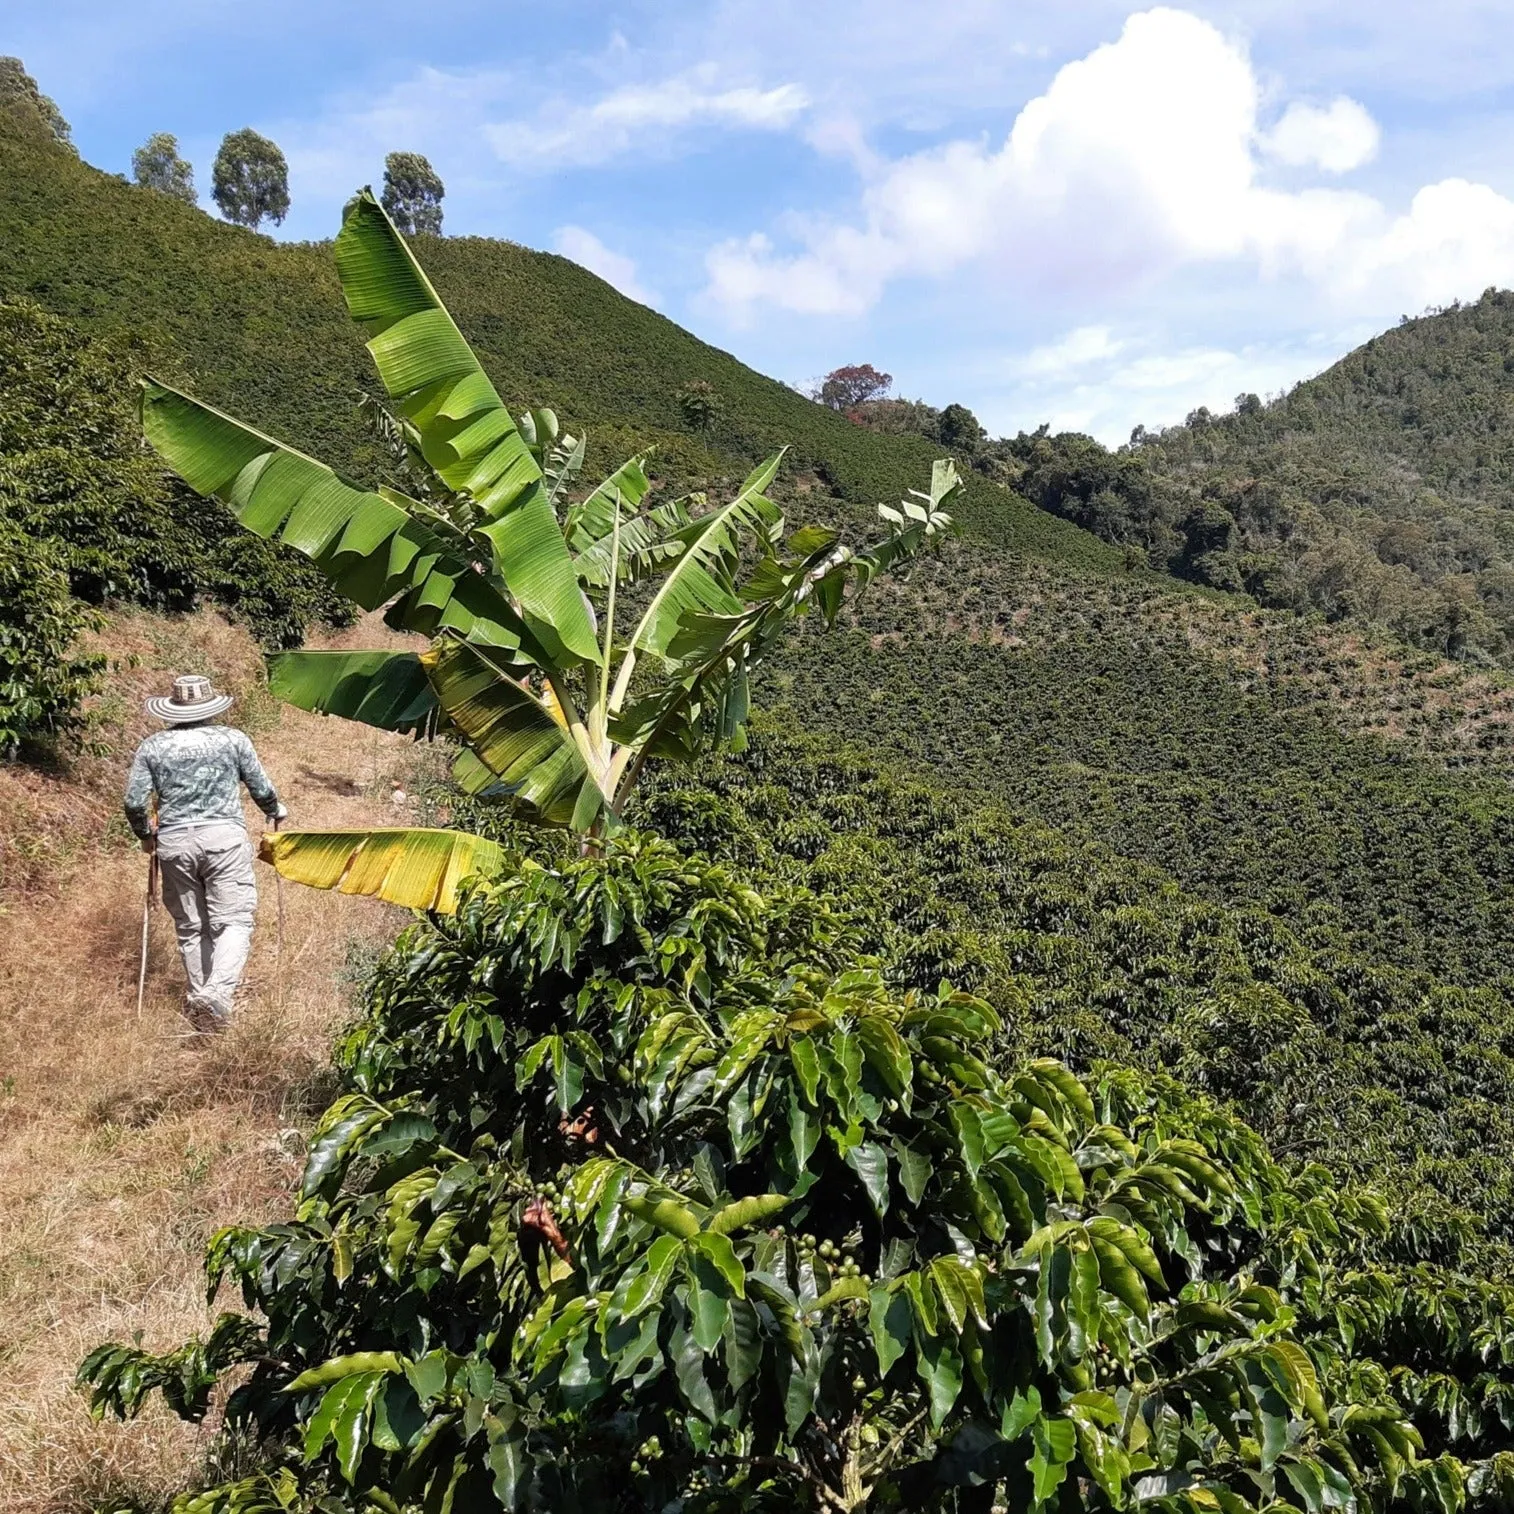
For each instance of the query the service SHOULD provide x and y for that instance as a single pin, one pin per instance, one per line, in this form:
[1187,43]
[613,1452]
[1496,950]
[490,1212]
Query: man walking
[204,852]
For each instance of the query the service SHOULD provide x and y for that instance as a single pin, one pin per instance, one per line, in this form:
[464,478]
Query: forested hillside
[1383,488]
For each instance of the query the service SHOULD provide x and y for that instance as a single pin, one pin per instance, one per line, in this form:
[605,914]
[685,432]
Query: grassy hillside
[122,1148]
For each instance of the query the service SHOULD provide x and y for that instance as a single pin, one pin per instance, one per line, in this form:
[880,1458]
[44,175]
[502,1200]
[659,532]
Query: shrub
[72,471]
[699,405]
[42,679]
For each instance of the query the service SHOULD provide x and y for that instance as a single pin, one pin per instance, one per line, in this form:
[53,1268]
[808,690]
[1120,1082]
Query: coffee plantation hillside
[101,280]
[647,1190]
[1391,1075]
[1245,795]
[1358,676]
[260,330]
[73,472]
[1204,767]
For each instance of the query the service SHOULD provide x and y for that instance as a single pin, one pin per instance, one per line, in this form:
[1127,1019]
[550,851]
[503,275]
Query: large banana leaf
[369,545]
[780,589]
[518,736]
[699,581]
[420,869]
[592,519]
[465,431]
[709,697]
[386,689]
[714,650]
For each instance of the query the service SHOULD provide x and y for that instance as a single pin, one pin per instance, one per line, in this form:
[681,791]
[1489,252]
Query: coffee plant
[43,675]
[647,1191]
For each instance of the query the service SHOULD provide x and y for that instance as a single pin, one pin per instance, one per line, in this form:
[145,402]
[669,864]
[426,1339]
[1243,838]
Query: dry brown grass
[123,1146]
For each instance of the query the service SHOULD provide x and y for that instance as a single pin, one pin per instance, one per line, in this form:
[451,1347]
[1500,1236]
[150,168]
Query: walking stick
[152,880]
[278,888]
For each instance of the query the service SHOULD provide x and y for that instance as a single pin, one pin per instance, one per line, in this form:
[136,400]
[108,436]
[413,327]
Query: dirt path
[123,1146]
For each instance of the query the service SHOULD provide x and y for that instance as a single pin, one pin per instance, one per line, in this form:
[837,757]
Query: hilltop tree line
[861,392]
[250,175]
[250,181]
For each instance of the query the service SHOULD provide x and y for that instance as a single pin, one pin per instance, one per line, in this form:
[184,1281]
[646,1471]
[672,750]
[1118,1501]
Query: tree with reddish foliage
[856,384]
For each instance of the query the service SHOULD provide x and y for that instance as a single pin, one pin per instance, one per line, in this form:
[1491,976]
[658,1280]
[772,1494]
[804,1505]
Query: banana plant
[574,635]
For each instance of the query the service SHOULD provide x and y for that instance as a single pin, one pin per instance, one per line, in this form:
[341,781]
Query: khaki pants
[209,889]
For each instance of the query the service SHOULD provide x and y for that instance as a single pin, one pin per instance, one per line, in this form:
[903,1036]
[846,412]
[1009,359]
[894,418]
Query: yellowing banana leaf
[516,735]
[420,869]
[465,431]
[385,689]
[368,544]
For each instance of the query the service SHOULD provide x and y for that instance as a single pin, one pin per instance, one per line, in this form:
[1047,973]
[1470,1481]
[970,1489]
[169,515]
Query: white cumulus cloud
[617,122]
[613,267]
[1337,137]
[1095,380]
[1138,160]
[1079,349]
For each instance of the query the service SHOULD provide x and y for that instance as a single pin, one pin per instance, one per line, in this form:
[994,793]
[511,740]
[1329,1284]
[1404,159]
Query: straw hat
[193,699]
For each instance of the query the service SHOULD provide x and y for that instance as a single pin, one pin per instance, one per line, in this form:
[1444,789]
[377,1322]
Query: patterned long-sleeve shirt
[194,771]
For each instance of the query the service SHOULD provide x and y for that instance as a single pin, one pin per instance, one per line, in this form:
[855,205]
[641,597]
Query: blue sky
[1080,213]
